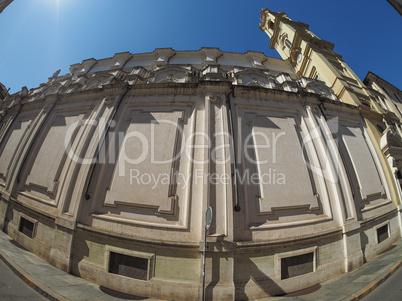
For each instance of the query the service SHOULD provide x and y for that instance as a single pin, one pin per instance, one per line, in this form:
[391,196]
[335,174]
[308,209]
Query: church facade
[107,171]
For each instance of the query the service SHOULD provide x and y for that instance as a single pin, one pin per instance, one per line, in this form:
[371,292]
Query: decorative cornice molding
[257,74]
[216,100]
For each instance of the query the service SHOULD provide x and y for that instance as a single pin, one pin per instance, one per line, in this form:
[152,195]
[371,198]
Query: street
[14,288]
[389,290]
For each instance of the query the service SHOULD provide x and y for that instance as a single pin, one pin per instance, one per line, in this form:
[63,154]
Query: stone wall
[107,171]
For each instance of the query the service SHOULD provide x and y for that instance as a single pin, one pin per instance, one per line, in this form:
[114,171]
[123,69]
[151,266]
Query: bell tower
[313,57]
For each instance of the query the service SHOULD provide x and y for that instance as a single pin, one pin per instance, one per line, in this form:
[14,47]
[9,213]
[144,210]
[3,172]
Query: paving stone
[58,283]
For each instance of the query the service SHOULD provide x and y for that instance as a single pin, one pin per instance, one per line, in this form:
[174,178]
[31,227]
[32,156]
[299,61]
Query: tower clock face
[299,58]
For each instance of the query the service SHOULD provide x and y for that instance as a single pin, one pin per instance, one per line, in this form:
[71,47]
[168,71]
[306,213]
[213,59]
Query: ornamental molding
[194,67]
[216,100]
[390,140]
[52,89]
[97,80]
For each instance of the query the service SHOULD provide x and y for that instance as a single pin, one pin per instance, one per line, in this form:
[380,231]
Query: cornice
[203,66]
[369,113]
[374,77]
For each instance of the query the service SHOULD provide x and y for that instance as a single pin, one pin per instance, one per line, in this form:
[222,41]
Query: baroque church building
[106,172]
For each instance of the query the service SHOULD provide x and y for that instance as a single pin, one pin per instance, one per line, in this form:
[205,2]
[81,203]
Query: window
[297,265]
[397,98]
[271,25]
[288,43]
[381,102]
[26,227]
[399,110]
[382,233]
[130,266]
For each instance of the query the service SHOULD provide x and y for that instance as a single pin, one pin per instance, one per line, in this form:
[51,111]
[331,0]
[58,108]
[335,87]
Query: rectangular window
[288,43]
[297,265]
[26,227]
[129,266]
[398,109]
[382,233]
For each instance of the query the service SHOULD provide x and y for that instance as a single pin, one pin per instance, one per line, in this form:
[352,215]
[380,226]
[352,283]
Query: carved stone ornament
[56,74]
[109,100]
[216,100]
[314,110]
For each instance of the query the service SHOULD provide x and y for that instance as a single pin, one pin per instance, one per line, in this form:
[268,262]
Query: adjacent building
[389,98]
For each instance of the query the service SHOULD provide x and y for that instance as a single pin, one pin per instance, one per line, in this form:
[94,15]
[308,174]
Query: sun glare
[58,8]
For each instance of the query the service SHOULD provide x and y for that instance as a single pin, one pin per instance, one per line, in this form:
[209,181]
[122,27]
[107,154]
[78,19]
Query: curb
[54,296]
[376,283]
[36,285]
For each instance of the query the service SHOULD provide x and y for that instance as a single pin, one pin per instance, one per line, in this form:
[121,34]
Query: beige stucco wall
[246,114]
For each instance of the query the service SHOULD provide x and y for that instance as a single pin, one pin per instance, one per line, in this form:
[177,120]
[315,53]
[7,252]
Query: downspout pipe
[236,206]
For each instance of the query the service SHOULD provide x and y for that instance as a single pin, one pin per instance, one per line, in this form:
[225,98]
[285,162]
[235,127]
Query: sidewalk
[50,281]
[58,285]
[357,284]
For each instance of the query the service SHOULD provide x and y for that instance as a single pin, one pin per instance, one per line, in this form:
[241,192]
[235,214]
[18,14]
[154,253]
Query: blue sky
[41,36]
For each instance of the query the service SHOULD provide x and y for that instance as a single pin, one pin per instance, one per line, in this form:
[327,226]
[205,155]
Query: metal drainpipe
[234,173]
[127,88]
[321,107]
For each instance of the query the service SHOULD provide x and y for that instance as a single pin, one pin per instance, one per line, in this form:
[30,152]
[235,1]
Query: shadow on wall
[9,216]
[254,274]
[80,250]
[246,270]
[223,254]
[364,242]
